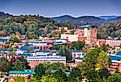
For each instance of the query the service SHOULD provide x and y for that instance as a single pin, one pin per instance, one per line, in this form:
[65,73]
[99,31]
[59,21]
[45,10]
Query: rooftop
[76,51]
[31,72]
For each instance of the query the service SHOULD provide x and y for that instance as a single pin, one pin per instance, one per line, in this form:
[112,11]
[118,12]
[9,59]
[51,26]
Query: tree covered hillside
[110,29]
[28,24]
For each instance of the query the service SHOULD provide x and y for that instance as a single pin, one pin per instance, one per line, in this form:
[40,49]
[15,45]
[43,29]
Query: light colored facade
[77,53]
[62,40]
[70,37]
[35,60]
[41,45]
[111,43]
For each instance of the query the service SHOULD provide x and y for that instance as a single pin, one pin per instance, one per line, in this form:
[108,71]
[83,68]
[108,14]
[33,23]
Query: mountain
[4,15]
[90,19]
[64,18]
[108,17]
[82,19]
[117,19]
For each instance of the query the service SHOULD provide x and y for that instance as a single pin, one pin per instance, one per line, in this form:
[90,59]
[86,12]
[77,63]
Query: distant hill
[64,18]
[117,19]
[90,19]
[82,19]
[4,15]
[108,17]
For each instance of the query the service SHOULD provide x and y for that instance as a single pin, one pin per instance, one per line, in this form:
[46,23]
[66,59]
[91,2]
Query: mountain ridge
[88,19]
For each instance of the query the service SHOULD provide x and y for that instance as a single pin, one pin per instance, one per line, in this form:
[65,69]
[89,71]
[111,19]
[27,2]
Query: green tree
[94,61]
[61,73]
[4,64]
[49,79]
[104,73]
[55,66]
[18,65]
[39,70]
[55,47]
[75,74]
[12,52]
[77,45]
[19,79]
[14,39]
[116,77]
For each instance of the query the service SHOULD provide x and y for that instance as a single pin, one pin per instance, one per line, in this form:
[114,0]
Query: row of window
[45,60]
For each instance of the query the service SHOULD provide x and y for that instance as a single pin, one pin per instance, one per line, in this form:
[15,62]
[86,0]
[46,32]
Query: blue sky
[53,8]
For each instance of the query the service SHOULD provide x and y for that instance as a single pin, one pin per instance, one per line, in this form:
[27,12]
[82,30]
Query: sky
[53,8]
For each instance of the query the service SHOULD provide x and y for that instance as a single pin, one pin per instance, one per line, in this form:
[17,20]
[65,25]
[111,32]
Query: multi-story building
[84,33]
[34,60]
[76,54]
[115,62]
[111,43]
[41,45]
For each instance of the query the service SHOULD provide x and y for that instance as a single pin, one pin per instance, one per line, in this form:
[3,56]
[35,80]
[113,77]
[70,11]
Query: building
[21,73]
[84,33]
[115,62]
[70,37]
[111,43]
[77,54]
[48,40]
[41,45]
[78,60]
[61,40]
[35,60]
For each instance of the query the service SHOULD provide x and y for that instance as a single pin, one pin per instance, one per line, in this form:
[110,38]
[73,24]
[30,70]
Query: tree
[77,45]
[94,61]
[61,74]
[116,77]
[55,47]
[4,64]
[14,39]
[102,61]
[104,73]
[39,71]
[23,62]
[19,79]
[75,73]
[18,65]
[105,48]
[55,66]
[65,51]
[49,79]
[12,52]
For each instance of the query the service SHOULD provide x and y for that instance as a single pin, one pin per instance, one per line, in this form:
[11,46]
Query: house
[21,73]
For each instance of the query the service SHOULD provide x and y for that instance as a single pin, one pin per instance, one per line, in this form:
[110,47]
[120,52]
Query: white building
[70,37]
